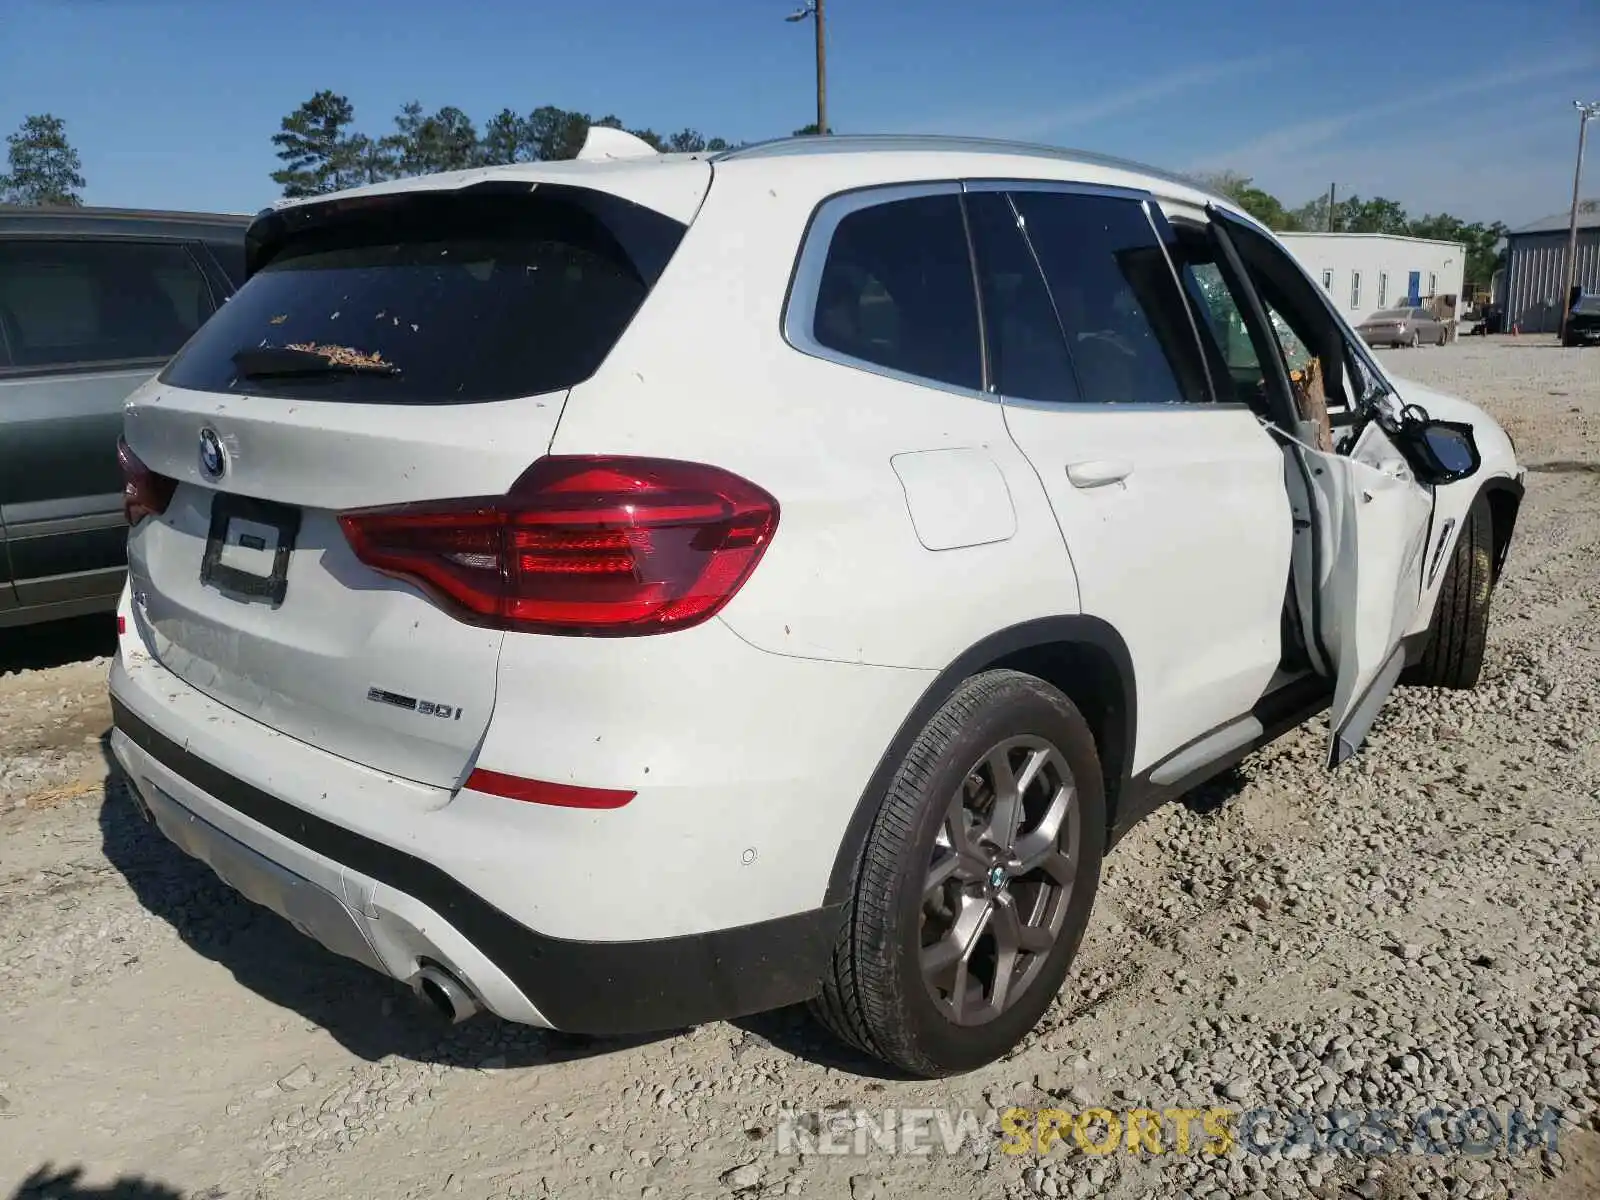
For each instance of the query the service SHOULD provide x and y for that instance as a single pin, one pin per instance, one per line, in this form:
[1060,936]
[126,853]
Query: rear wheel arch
[1084,657]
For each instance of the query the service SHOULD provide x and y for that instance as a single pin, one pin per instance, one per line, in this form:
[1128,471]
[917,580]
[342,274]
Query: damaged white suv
[624,593]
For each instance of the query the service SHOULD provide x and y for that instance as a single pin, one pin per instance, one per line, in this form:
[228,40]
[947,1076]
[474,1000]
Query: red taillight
[537,791]
[599,546]
[144,493]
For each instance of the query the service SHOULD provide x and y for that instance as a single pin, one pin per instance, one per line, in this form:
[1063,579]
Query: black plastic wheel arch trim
[1516,489]
[604,988]
[1030,635]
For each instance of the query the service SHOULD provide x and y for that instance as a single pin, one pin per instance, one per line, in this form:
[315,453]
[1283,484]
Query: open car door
[1362,492]
[1371,520]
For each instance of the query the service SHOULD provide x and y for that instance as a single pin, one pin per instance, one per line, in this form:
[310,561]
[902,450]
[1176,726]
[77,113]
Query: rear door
[1171,501]
[460,321]
[87,321]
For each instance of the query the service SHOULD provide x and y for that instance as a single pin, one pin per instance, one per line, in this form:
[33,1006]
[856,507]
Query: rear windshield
[448,299]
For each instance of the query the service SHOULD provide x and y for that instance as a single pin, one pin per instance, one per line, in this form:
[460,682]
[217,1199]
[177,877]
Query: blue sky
[1463,105]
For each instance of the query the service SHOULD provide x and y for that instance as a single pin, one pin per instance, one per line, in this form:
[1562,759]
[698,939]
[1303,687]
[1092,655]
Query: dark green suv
[92,303]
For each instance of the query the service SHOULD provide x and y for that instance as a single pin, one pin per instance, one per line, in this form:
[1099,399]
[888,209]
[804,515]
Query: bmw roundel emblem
[213,459]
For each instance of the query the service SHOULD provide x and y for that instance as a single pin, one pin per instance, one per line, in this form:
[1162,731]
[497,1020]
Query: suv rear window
[454,298]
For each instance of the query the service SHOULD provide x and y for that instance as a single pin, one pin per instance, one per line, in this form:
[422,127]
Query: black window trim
[106,366]
[798,320]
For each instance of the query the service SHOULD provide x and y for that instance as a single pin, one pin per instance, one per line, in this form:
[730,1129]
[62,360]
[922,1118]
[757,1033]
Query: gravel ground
[1419,929]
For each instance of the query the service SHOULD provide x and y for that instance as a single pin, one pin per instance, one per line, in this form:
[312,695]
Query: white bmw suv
[624,593]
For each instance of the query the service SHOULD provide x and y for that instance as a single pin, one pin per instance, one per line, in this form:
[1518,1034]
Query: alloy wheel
[999,880]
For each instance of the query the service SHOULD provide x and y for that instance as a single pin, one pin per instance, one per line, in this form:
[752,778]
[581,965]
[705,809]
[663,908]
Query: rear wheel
[1459,631]
[975,884]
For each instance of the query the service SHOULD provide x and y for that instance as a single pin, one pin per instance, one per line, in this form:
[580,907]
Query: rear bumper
[396,912]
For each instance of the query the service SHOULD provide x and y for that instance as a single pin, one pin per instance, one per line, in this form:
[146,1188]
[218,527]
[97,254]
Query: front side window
[80,302]
[1221,316]
[896,291]
[1319,353]
[1126,324]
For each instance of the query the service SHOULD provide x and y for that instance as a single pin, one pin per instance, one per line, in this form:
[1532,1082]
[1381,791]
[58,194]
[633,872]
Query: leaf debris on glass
[344,356]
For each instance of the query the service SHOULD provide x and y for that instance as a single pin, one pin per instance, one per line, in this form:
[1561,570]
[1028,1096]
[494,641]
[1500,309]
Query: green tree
[1484,255]
[45,169]
[505,139]
[557,133]
[423,145]
[807,130]
[368,160]
[1261,205]
[687,141]
[1312,215]
[319,153]
[1378,215]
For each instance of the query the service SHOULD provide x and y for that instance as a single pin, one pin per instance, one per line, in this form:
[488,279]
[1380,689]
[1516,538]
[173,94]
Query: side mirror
[1443,451]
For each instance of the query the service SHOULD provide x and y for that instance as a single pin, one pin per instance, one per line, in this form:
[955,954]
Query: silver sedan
[1404,327]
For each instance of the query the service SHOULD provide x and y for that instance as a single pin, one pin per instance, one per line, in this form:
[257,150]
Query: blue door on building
[1414,289]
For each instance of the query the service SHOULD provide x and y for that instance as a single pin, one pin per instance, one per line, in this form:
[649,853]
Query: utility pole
[1332,191]
[813,11]
[1585,112]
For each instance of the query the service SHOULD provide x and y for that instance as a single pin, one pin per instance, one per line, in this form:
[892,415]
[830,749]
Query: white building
[1365,272]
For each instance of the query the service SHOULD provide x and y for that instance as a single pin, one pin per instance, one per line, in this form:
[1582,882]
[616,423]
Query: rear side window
[1027,353]
[1126,323]
[78,302]
[896,290]
[440,299]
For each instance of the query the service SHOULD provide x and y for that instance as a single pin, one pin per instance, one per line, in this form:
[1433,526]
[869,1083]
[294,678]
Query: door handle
[1098,472]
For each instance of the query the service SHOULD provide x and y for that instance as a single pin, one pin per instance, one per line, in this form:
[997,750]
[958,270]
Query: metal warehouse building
[1364,272]
[1536,269]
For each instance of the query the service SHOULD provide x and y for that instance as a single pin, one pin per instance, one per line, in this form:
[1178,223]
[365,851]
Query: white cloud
[1297,137]
[1515,170]
[1045,123]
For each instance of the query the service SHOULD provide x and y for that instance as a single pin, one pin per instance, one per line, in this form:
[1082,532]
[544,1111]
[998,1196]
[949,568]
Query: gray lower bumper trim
[313,910]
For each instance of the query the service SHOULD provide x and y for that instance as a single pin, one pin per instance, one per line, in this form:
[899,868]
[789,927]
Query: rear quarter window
[466,298]
[896,291]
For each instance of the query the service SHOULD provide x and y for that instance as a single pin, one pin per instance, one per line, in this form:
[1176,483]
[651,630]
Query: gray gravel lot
[1420,929]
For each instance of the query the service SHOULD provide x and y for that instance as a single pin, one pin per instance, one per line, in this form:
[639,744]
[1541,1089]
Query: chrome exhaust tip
[445,992]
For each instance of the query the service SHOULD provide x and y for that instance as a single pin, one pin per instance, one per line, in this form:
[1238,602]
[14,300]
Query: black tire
[1459,630]
[875,996]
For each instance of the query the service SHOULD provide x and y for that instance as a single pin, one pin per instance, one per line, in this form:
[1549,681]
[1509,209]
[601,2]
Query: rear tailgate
[468,318]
